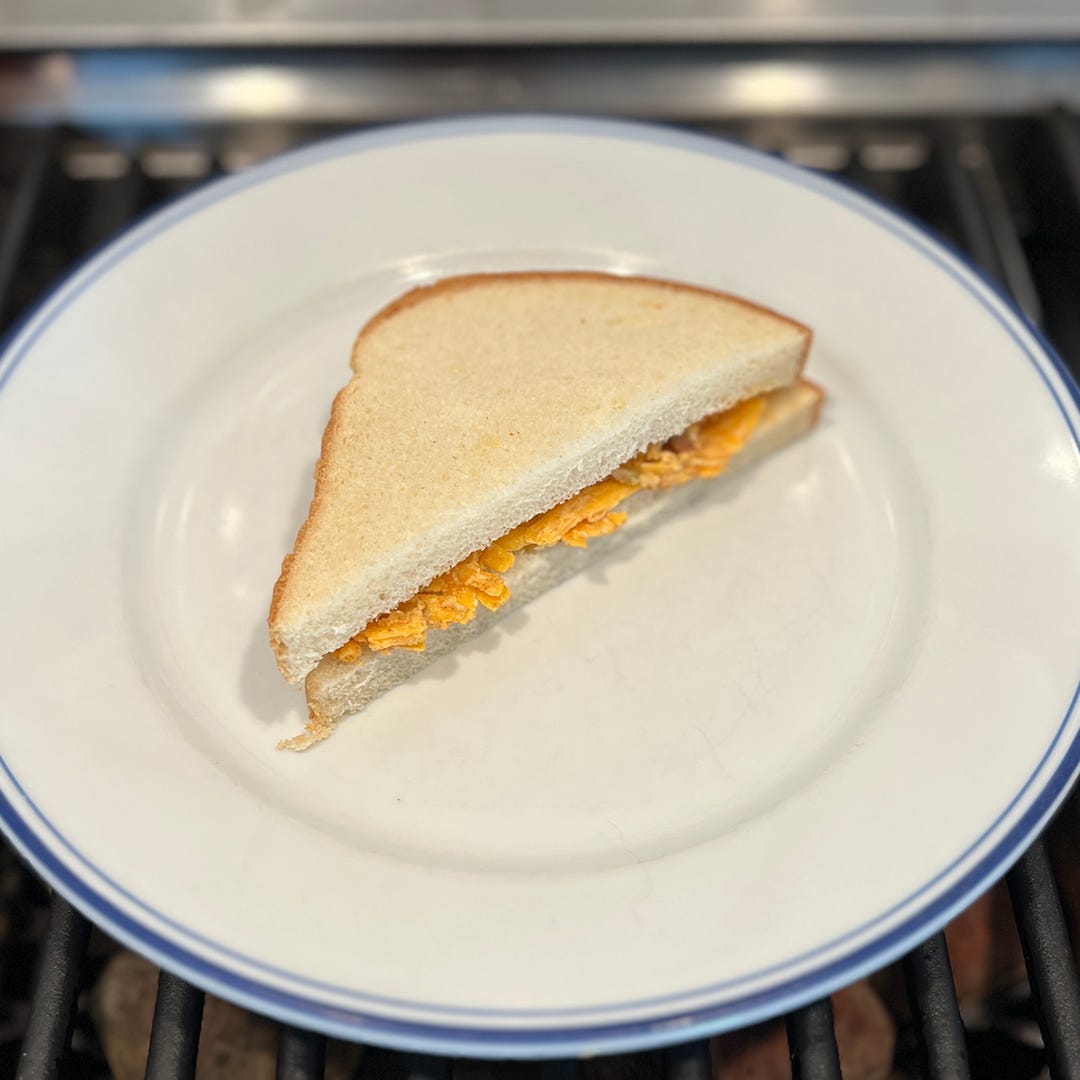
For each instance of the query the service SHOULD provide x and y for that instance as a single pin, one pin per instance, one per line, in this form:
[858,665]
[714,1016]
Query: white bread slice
[336,689]
[481,401]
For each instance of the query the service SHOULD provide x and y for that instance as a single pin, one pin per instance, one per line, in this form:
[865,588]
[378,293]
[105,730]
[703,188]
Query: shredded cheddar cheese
[703,450]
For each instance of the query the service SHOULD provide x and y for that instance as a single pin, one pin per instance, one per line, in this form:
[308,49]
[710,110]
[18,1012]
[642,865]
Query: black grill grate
[942,1048]
[1006,191]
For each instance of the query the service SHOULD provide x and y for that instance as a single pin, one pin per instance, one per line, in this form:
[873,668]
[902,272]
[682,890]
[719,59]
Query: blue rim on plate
[548,1033]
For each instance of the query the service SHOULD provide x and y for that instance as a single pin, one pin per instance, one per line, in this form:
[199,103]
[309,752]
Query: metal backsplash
[126,23]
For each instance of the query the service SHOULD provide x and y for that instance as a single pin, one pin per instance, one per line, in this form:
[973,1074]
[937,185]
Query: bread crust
[277,597]
[461,282]
[421,294]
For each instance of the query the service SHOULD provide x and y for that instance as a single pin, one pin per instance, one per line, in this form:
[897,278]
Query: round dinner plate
[723,772]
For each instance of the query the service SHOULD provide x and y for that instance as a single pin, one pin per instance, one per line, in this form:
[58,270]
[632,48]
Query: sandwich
[498,432]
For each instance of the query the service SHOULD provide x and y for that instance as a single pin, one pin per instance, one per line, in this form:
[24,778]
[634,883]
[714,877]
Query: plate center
[694,680]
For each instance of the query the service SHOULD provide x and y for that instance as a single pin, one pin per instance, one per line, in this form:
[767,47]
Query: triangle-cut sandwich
[494,426]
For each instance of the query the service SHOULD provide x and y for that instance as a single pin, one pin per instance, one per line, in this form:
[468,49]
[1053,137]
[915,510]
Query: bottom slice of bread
[336,689]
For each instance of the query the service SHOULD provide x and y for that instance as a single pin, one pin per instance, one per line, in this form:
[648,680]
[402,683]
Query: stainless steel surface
[69,23]
[691,84]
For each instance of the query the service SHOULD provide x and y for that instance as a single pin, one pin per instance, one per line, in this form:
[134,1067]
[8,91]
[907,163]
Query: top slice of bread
[478,402]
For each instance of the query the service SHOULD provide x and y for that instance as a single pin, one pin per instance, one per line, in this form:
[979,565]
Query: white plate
[730,770]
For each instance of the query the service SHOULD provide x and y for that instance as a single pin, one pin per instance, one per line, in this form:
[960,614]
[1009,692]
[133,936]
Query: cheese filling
[702,450]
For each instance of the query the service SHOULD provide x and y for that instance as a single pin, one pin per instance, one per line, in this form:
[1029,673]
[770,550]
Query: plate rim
[448,1033]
